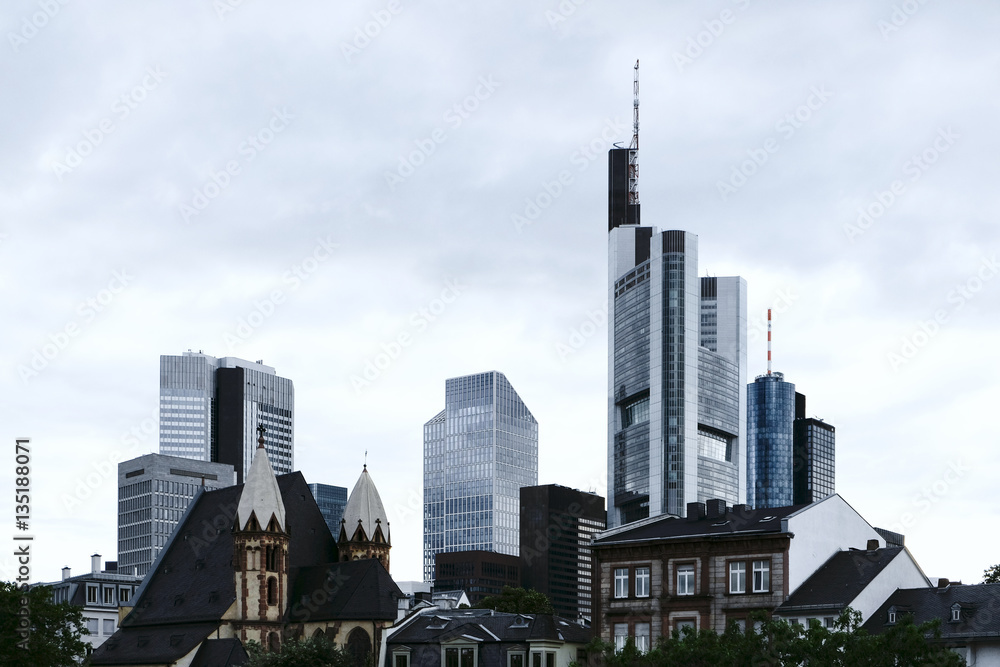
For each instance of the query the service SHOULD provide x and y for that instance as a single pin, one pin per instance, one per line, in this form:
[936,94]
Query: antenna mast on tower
[633,154]
[768,341]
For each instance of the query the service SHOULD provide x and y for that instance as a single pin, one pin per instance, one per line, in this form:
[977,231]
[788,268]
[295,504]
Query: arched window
[359,646]
[272,559]
[273,643]
[272,591]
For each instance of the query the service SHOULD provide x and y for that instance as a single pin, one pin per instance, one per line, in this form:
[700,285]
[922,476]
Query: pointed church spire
[261,496]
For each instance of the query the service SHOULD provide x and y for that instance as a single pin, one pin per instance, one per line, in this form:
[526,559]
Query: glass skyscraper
[677,371]
[210,409]
[331,500]
[478,453]
[770,413]
[814,455]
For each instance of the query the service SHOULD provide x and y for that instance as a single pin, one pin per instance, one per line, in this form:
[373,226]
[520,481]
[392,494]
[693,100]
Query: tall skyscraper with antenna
[677,362]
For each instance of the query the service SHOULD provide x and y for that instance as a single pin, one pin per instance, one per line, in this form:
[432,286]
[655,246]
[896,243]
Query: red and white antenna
[633,155]
[768,341]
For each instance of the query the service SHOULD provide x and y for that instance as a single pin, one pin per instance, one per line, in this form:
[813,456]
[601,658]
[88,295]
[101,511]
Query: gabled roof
[364,509]
[357,590]
[260,496]
[435,626]
[978,603]
[220,653]
[739,520]
[152,646]
[839,580]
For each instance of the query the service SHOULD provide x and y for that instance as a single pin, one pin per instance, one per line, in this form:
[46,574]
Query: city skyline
[374,213]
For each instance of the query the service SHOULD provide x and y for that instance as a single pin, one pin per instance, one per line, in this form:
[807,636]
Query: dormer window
[956,613]
[892,616]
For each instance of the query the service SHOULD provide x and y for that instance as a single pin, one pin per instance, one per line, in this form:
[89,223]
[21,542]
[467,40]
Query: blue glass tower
[331,500]
[478,453]
[770,416]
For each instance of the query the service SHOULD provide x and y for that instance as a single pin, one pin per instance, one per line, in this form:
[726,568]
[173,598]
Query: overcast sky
[315,184]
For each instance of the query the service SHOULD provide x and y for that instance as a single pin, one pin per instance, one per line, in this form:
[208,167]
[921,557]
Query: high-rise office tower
[153,493]
[770,413]
[478,452]
[331,500]
[210,409]
[557,524]
[813,456]
[677,364]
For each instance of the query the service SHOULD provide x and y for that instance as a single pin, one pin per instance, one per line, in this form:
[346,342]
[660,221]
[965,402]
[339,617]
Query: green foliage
[313,652]
[55,629]
[992,575]
[517,601]
[777,643]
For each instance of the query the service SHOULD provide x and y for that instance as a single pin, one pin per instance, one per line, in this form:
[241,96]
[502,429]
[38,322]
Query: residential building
[557,525]
[970,624]
[331,500]
[252,562]
[715,566]
[154,491]
[364,530]
[480,574]
[485,638]
[861,579]
[99,593]
[814,456]
[770,414]
[478,452]
[210,408]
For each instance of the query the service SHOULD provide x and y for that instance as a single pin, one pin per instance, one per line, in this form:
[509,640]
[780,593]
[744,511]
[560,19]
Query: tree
[992,575]
[55,629]
[313,652]
[517,601]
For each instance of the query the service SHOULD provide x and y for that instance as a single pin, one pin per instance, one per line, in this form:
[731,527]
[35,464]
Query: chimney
[66,574]
[95,564]
[715,508]
[872,545]
[943,583]
[695,511]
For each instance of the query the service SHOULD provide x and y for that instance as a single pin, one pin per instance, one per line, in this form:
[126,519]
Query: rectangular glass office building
[478,453]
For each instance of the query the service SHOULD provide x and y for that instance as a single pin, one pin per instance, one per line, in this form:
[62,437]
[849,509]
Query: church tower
[364,530]
[260,555]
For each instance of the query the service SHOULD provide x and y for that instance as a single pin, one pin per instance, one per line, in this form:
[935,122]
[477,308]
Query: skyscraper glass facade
[814,454]
[770,413]
[478,452]
[187,406]
[331,500]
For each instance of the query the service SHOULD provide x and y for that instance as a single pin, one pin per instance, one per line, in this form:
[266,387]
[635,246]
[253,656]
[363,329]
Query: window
[272,591]
[109,596]
[109,626]
[536,659]
[635,411]
[621,635]
[272,559]
[738,577]
[550,659]
[685,579]
[400,660]
[124,594]
[621,582]
[761,576]
[682,623]
[514,659]
[91,625]
[642,582]
[92,594]
[642,637]
[892,616]
[460,656]
[956,613]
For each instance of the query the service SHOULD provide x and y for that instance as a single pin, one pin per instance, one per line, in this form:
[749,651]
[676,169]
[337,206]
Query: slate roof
[978,602]
[740,519]
[359,590]
[192,583]
[434,627]
[839,580]
[220,653]
[151,646]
